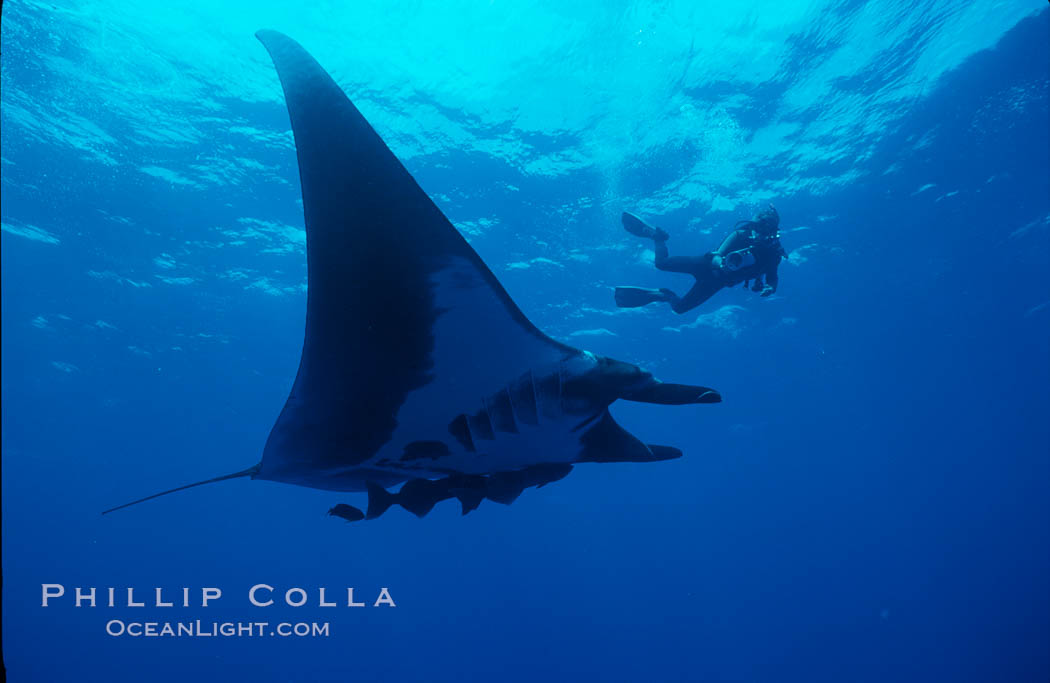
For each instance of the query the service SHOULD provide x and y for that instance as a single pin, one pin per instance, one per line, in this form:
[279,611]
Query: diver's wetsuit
[709,279]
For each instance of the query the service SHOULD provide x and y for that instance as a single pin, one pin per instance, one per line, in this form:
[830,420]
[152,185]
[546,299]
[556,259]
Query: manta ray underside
[417,367]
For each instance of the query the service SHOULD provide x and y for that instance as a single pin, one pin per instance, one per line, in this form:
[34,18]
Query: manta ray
[417,368]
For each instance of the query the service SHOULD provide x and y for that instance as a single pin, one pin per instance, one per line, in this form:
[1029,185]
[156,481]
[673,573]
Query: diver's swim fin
[633,297]
[639,228]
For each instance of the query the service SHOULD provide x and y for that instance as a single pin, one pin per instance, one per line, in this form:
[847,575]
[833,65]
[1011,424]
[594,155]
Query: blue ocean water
[870,501]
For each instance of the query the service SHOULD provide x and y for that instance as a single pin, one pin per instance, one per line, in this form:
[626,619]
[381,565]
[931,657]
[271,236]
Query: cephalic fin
[664,452]
[669,394]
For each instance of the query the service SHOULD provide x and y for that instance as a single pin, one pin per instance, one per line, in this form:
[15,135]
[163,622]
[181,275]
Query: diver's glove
[767,290]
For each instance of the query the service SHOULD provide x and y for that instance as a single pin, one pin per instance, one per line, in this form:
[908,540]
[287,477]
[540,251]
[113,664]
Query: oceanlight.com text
[215,629]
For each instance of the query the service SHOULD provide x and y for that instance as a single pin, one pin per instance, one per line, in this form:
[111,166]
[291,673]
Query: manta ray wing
[397,300]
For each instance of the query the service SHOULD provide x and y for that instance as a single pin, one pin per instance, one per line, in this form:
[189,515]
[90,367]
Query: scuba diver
[748,254]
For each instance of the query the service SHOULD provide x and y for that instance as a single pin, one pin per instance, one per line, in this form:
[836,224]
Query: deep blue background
[869,503]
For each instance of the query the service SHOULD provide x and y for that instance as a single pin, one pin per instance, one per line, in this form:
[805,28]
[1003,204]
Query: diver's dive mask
[767,224]
[768,220]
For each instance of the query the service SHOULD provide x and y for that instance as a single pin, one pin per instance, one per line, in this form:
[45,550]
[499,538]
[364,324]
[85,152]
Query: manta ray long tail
[243,473]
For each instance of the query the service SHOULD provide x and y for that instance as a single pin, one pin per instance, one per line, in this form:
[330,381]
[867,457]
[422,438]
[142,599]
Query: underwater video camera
[735,260]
